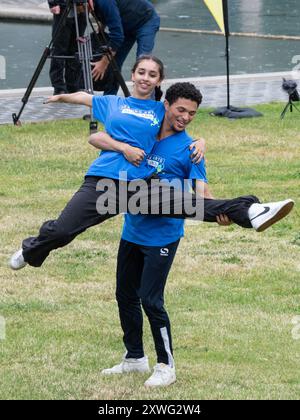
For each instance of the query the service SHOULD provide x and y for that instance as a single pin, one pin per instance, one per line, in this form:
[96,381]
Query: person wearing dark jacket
[128,22]
[64,74]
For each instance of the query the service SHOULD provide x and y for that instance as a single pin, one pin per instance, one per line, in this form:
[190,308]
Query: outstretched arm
[78,98]
[104,141]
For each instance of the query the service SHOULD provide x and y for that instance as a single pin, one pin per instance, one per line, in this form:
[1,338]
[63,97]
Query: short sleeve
[100,107]
[198,171]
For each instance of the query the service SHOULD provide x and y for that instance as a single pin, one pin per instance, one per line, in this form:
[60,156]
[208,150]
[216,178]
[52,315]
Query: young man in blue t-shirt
[149,244]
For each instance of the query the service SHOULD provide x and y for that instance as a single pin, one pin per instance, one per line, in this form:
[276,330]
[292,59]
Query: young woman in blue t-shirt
[135,122]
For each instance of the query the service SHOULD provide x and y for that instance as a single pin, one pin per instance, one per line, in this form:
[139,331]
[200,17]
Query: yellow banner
[216,9]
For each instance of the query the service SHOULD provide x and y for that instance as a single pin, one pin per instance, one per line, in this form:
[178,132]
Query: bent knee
[52,230]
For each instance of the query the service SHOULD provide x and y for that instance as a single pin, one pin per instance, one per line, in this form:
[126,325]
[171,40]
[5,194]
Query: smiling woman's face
[146,77]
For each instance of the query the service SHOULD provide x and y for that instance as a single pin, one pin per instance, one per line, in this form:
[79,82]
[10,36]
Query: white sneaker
[129,365]
[17,260]
[163,375]
[264,215]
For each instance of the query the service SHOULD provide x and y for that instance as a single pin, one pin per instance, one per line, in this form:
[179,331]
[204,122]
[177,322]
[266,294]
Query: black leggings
[82,212]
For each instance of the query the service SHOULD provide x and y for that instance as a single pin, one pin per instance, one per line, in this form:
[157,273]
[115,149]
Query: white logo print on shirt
[148,115]
[156,162]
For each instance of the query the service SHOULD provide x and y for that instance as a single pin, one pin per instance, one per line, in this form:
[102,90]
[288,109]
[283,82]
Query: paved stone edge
[35,14]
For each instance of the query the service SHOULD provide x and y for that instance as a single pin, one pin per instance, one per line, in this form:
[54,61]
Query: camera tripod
[84,54]
[290,105]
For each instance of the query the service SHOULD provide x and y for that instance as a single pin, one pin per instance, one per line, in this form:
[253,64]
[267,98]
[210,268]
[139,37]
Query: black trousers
[142,273]
[65,73]
[82,212]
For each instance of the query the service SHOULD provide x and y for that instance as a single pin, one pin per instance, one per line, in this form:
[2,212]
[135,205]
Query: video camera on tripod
[290,87]
[90,47]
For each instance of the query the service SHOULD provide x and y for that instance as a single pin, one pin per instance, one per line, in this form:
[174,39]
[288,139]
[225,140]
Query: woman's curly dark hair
[183,90]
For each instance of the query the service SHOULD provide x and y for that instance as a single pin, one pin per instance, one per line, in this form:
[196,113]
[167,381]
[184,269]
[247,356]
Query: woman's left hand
[199,147]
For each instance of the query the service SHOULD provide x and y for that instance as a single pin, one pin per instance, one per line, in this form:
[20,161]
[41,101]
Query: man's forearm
[113,22]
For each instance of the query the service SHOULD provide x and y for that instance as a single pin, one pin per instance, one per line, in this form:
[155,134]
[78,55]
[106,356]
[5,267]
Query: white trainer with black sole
[163,375]
[264,215]
[129,365]
[17,260]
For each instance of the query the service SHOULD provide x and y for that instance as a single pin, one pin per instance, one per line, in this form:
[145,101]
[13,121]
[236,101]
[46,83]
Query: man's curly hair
[183,90]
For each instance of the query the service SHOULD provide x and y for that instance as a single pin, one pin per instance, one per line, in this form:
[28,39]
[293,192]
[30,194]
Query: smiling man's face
[180,113]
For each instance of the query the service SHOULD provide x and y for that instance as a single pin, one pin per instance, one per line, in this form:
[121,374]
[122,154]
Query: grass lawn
[232,293]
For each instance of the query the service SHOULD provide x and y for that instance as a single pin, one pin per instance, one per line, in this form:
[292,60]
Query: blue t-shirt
[171,158]
[130,120]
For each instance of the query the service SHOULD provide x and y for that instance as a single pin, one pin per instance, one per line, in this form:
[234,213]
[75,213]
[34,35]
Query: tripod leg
[296,107]
[85,51]
[89,58]
[31,85]
[46,54]
[85,57]
[284,111]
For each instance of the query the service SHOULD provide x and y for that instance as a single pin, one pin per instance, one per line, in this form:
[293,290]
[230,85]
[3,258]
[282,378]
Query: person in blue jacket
[128,22]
